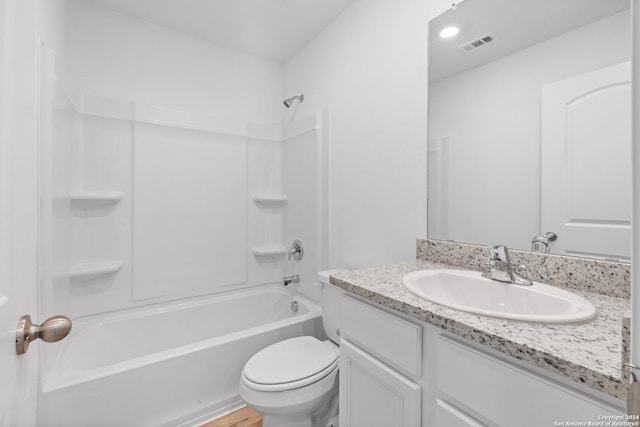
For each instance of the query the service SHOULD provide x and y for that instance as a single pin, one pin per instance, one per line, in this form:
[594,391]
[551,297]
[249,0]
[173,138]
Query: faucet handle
[499,252]
[499,267]
[296,251]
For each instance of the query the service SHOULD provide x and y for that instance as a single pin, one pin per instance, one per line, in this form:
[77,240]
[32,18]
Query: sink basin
[469,291]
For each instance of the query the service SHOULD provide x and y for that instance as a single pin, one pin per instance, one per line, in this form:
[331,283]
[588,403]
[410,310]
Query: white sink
[469,291]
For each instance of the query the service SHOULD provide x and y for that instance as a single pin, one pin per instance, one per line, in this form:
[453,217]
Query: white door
[586,163]
[18,206]
[373,394]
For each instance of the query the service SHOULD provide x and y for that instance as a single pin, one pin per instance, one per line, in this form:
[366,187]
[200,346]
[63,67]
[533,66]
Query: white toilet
[294,383]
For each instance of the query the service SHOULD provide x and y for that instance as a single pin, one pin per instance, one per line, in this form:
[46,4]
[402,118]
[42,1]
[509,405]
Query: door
[18,205]
[586,163]
[373,394]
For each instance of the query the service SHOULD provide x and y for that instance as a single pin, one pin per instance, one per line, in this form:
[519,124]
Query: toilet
[294,383]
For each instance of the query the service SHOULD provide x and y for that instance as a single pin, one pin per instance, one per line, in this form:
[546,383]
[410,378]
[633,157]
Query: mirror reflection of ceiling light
[449,32]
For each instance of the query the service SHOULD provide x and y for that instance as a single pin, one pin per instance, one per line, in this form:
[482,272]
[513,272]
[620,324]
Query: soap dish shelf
[92,270]
[269,200]
[269,251]
[96,197]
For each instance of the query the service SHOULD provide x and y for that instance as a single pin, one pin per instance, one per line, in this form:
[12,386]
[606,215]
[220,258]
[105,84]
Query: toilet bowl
[292,380]
[294,383]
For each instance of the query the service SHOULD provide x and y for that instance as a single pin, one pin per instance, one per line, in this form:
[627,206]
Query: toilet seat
[290,364]
[290,385]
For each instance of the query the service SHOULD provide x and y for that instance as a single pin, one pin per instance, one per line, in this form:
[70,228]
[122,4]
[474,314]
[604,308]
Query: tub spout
[287,280]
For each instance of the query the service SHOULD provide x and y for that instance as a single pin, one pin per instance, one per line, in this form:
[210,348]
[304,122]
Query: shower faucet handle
[296,251]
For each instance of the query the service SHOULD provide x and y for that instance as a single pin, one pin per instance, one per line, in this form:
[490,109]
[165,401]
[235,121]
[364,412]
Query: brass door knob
[53,329]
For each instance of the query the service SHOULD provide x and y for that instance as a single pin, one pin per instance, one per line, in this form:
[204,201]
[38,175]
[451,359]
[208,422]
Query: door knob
[53,329]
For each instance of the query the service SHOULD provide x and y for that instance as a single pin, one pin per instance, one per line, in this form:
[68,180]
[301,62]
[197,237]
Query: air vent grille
[476,43]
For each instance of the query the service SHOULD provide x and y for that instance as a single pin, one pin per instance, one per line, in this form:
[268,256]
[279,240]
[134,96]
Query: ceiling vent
[476,43]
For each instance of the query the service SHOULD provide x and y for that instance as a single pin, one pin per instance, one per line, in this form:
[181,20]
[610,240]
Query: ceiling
[271,29]
[516,24]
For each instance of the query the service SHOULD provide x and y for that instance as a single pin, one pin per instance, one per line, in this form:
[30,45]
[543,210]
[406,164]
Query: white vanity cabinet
[399,372]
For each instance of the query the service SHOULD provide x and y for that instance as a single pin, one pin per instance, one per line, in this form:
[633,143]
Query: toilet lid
[291,361]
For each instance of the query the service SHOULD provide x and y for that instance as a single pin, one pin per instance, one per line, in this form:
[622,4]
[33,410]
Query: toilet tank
[330,303]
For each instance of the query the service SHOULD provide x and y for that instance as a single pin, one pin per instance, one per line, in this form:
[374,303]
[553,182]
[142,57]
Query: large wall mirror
[530,126]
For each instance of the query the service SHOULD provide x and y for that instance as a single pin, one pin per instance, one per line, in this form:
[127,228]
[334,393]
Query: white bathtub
[169,364]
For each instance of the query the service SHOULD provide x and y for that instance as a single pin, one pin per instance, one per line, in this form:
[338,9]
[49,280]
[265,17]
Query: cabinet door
[450,416]
[508,395]
[374,395]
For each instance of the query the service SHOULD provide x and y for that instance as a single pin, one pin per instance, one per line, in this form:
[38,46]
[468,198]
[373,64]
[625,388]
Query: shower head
[289,101]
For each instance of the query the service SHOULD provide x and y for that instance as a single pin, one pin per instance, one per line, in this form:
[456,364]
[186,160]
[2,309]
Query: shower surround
[168,230]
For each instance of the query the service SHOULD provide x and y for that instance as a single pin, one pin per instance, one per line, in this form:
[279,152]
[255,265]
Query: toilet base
[323,413]
[278,421]
[324,416]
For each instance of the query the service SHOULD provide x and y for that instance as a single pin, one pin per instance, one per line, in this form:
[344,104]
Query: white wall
[369,69]
[491,115]
[118,56]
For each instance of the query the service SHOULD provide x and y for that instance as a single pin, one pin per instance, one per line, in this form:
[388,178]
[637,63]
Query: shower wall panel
[101,162]
[305,145]
[267,203]
[100,271]
[190,211]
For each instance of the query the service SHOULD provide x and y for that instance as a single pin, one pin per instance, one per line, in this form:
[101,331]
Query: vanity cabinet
[398,372]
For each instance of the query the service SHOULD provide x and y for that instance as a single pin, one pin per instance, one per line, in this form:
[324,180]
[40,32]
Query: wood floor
[245,417]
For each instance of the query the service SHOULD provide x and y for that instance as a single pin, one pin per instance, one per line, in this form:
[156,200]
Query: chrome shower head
[289,101]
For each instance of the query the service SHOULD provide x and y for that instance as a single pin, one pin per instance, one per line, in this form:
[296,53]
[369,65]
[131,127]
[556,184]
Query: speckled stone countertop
[588,353]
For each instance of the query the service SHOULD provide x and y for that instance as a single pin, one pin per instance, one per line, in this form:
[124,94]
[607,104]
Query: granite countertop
[588,353]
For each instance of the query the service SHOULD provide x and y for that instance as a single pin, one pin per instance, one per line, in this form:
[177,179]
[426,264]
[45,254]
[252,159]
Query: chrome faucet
[287,280]
[498,267]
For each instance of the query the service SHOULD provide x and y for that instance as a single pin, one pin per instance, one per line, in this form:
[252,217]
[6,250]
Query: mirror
[530,126]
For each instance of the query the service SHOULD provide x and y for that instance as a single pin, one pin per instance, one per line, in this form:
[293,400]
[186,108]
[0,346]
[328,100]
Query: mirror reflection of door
[586,163]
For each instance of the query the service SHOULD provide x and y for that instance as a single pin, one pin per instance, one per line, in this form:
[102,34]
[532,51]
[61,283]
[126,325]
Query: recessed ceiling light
[449,32]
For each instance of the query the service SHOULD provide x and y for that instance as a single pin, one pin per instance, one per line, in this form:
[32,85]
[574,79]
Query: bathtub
[167,365]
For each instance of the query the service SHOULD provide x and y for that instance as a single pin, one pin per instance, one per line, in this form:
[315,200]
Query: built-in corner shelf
[269,251]
[91,270]
[271,200]
[96,197]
